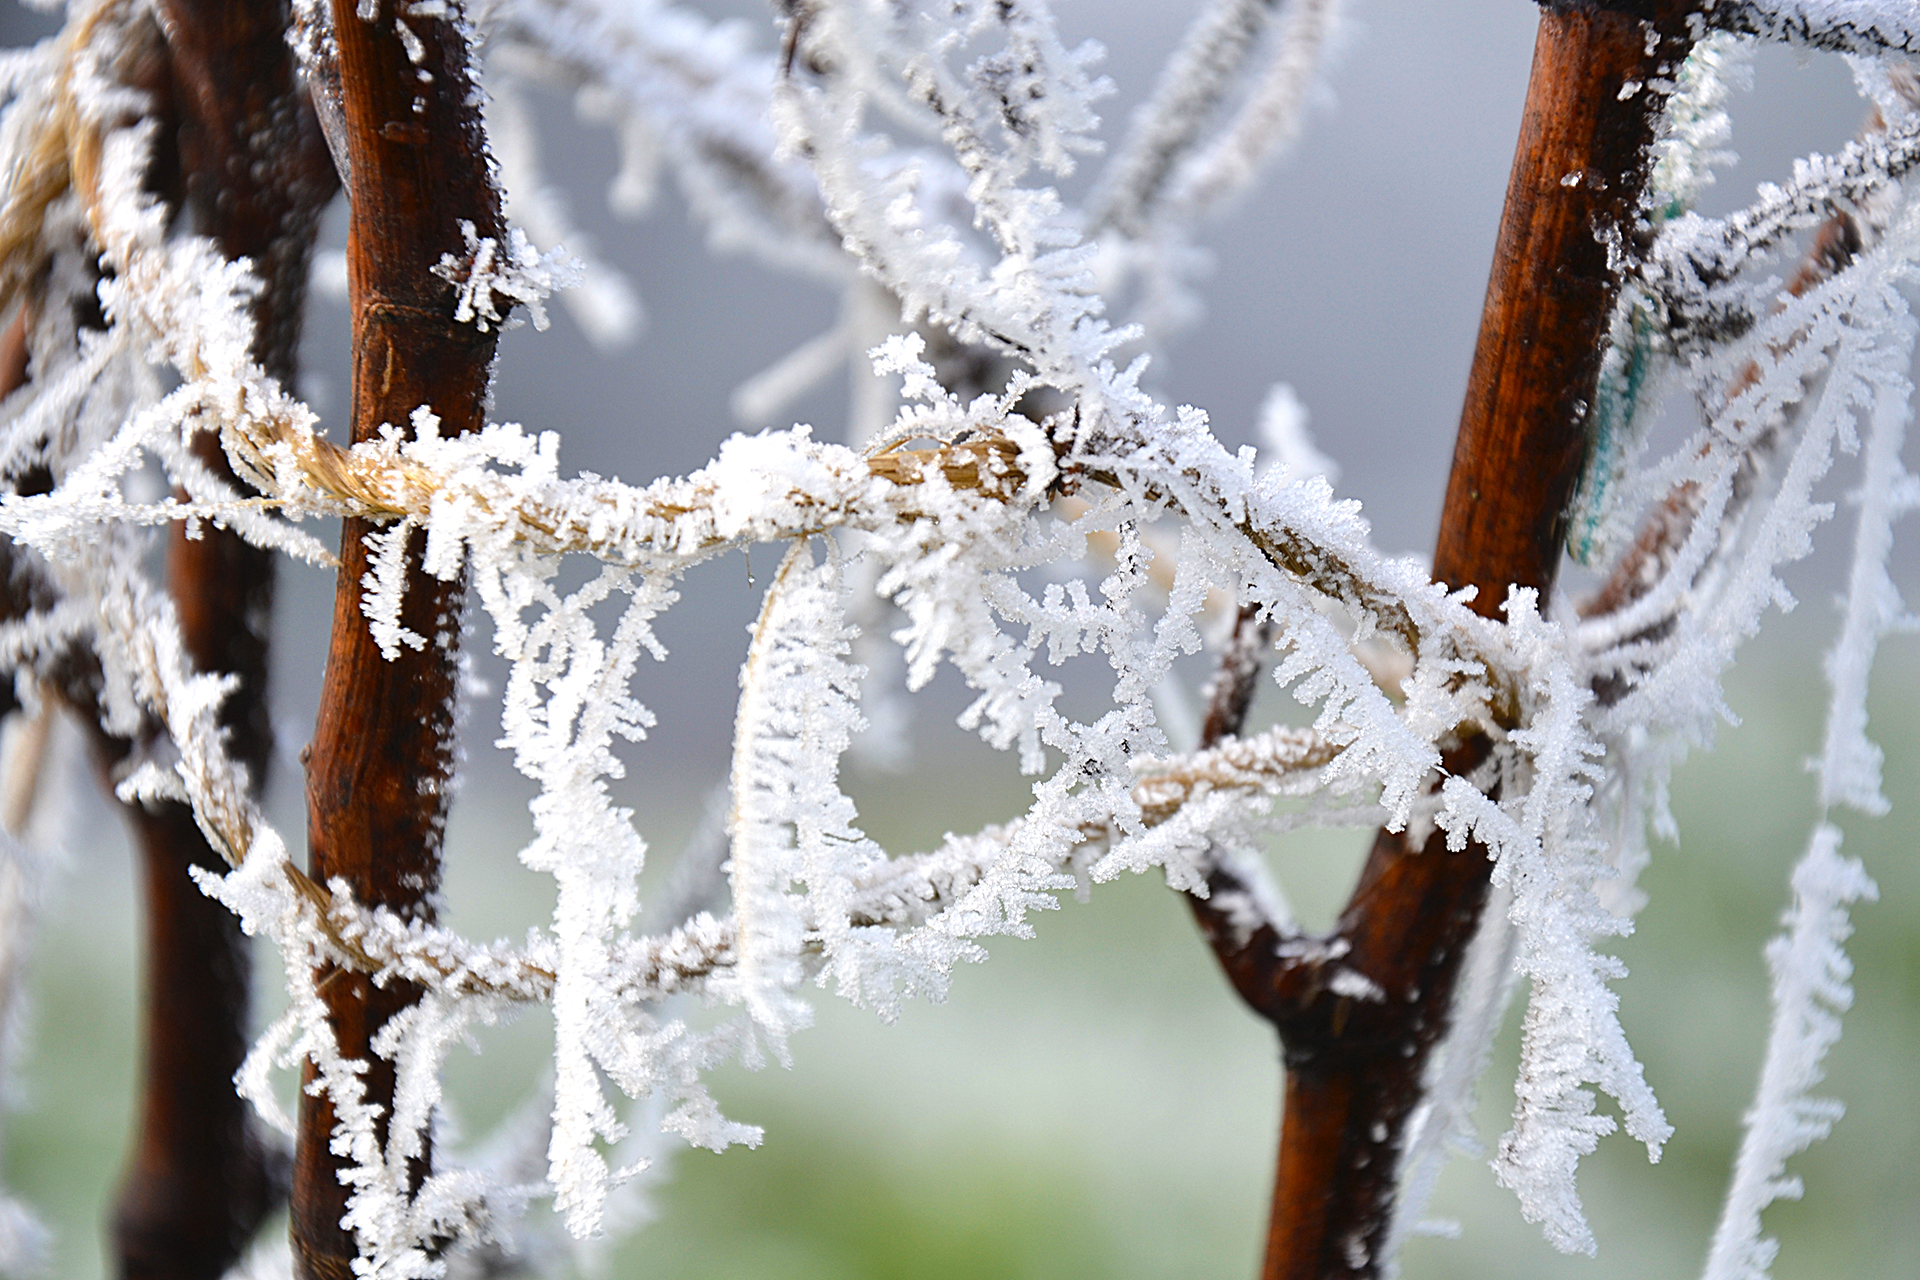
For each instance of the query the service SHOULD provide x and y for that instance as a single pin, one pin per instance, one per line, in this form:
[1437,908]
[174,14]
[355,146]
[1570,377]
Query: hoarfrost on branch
[926,531]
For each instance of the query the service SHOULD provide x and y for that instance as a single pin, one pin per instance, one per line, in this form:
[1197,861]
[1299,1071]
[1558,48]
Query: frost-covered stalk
[1356,1057]
[1843,26]
[1812,987]
[382,754]
[255,175]
[1553,736]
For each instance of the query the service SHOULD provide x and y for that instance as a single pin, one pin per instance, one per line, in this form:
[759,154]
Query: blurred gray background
[1095,1103]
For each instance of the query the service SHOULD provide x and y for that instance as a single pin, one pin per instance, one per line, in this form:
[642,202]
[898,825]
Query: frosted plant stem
[382,751]
[1208,63]
[1811,989]
[1355,1067]
[1516,759]
[1238,917]
[1842,26]
[1809,965]
[202,1176]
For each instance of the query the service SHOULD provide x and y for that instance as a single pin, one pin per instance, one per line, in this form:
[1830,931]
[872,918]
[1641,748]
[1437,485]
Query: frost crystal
[488,272]
[1014,505]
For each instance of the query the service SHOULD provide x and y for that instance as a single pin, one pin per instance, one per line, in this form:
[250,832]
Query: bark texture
[1573,214]
[255,176]
[382,750]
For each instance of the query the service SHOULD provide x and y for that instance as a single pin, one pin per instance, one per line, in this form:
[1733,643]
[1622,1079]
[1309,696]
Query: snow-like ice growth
[905,154]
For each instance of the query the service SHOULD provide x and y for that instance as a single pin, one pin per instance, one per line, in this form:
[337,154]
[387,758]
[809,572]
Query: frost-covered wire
[1839,26]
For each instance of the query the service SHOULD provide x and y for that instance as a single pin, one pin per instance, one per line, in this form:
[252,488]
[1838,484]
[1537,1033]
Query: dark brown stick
[201,1178]
[256,176]
[1579,174]
[1354,1067]
[382,750]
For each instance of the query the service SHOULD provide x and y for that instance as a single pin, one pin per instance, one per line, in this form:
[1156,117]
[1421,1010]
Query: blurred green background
[1094,1103]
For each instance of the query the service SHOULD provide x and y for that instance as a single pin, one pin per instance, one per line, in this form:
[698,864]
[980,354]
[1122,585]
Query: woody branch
[255,177]
[382,748]
[1354,1067]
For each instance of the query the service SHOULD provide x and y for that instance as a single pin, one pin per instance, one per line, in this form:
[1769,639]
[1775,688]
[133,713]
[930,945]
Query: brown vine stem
[1354,1067]
[382,748]
[255,172]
